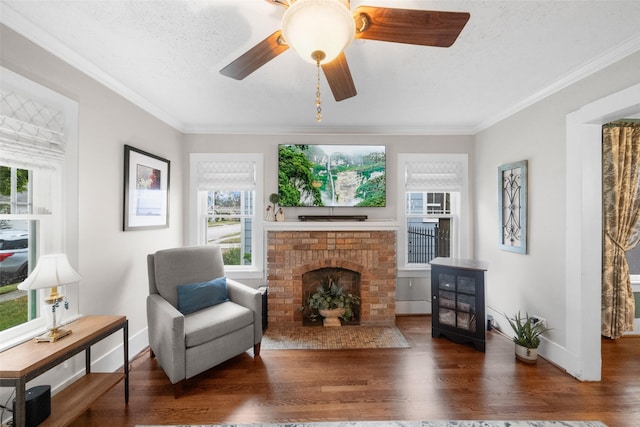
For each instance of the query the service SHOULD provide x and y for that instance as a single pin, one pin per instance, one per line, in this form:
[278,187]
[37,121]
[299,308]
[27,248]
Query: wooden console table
[24,362]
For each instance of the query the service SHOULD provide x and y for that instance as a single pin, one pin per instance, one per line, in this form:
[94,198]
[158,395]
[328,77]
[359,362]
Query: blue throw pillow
[196,296]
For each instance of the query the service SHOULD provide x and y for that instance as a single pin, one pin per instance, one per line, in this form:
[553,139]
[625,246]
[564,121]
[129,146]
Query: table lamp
[50,272]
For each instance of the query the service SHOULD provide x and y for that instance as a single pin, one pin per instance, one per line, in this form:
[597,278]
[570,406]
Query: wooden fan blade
[282,3]
[256,57]
[421,27]
[339,78]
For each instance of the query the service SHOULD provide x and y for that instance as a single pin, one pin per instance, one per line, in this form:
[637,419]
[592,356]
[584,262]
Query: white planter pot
[527,355]
[332,317]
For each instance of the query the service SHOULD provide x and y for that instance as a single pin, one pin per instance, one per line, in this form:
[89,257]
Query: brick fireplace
[371,253]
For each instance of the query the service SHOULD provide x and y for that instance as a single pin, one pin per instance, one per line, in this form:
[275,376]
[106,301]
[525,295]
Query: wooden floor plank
[434,379]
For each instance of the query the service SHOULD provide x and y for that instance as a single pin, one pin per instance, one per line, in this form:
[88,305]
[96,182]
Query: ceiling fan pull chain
[318,99]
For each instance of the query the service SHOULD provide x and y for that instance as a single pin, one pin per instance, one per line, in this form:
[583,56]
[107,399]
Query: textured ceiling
[166,55]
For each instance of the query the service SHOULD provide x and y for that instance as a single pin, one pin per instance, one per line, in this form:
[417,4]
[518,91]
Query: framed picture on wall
[512,206]
[146,190]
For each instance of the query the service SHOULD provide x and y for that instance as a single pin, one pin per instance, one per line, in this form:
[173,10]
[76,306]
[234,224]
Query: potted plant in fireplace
[527,336]
[331,302]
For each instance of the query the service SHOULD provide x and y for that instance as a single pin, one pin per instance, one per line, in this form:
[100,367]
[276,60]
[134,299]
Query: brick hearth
[371,253]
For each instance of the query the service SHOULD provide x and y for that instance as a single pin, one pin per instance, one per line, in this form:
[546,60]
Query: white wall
[268,144]
[112,263]
[536,282]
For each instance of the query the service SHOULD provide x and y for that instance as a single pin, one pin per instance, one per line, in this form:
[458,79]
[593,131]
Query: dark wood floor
[434,379]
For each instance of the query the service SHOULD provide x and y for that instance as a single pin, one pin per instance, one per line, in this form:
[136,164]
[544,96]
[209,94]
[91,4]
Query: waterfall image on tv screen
[332,175]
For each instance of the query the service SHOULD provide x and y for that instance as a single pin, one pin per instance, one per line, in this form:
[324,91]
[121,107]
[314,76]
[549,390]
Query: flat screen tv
[332,175]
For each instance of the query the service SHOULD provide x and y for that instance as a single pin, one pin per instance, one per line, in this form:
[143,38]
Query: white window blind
[433,176]
[226,175]
[31,133]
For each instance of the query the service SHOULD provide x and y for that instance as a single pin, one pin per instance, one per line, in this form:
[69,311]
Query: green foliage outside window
[14,310]
[22,176]
[22,186]
[231,256]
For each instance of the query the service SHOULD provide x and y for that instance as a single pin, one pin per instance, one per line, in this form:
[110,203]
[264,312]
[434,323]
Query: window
[38,198]
[434,190]
[226,191]
[633,258]
[230,215]
[428,219]
[15,251]
[15,194]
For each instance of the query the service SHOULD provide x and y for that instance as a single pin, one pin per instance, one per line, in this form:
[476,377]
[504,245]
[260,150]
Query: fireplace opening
[347,280]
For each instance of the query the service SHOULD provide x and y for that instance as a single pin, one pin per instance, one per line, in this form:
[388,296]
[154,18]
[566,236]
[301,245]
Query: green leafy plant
[331,295]
[274,198]
[527,330]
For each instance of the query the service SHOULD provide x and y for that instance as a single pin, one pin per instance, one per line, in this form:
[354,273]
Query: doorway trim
[584,219]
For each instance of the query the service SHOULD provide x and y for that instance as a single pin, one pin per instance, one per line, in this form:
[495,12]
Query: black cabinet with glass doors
[458,300]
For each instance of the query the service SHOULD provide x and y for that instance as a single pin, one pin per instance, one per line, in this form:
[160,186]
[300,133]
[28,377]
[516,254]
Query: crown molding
[610,57]
[35,34]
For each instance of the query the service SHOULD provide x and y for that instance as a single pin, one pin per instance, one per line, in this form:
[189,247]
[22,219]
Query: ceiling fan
[320,30]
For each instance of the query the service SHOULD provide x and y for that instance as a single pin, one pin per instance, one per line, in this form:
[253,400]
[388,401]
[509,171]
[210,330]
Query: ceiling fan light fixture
[309,26]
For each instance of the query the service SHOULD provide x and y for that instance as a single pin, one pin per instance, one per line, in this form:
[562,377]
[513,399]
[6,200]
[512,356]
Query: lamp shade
[51,270]
[309,26]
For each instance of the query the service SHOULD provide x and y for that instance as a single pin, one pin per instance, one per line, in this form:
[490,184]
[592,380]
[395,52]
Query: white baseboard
[112,361]
[413,307]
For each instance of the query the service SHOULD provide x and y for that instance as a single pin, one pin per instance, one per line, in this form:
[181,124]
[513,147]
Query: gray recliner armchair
[188,344]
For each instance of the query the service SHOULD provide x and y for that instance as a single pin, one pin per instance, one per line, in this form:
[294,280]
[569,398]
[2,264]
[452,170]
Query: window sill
[21,333]
[244,274]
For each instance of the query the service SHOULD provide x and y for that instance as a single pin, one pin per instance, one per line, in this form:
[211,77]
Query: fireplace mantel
[377,225]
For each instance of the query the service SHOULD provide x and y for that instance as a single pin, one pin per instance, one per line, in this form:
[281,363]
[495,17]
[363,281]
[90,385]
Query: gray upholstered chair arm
[166,336]
[252,299]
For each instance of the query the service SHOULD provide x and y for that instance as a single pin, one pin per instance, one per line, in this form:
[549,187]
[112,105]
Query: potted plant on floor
[331,302]
[527,336]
